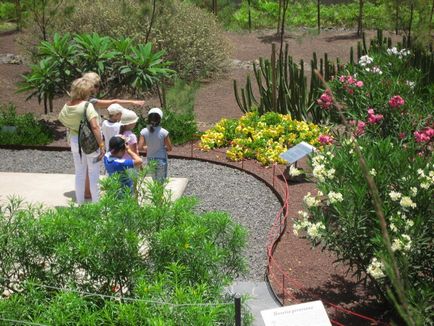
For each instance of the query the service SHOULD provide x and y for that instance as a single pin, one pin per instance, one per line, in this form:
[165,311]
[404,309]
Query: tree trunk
[282,25]
[278,21]
[151,21]
[410,23]
[250,15]
[319,15]
[19,14]
[430,17]
[360,19]
[396,18]
[45,104]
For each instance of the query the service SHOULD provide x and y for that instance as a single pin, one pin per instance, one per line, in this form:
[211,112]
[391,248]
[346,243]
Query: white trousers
[85,164]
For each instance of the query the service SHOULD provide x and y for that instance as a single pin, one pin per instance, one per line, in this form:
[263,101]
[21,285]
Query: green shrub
[105,17]
[156,255]
[191,37]
[194,41]
[121,65]
[28,131]
[7,11]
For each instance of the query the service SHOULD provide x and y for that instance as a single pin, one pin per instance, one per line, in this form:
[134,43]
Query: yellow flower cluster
[258,137]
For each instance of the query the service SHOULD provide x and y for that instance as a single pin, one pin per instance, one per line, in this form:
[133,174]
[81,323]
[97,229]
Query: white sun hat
[156,110]
[128,117]
[115,109]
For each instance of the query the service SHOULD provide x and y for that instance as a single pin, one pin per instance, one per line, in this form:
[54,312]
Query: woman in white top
[70,117]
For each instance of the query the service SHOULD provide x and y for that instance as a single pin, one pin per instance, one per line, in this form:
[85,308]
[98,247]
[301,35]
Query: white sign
[297,152]
[305,314]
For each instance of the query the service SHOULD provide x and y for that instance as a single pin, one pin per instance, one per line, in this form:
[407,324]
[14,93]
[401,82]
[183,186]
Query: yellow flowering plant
[260,137]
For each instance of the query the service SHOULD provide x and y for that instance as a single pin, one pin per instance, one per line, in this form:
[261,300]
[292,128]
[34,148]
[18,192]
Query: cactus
[282,86]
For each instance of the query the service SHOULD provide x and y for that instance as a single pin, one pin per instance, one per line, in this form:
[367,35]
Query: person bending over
[115,163]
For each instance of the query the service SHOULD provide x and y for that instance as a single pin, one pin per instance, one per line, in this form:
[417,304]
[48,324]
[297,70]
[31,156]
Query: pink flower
[325,100]
[359,83]
[360,128]
[325,139]
[429,132]
[374,118]
[351,80]
[421,137]
[401,135]
[342,79]
[396,101]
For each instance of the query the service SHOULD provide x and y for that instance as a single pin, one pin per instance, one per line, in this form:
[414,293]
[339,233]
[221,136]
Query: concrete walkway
[54,190]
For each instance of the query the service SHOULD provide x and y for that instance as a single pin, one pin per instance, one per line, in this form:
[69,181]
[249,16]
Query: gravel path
[246,199]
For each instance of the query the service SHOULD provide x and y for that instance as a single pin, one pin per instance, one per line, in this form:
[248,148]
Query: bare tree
[43,11]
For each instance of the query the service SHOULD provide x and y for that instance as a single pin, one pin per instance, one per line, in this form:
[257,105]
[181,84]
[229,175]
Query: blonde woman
[70,117]
[95,79]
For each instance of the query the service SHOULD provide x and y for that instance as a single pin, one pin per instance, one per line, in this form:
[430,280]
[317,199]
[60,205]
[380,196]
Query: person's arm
[142,143]
[168,143]
[97,132]
[134,148]
[136,158]
[104,104]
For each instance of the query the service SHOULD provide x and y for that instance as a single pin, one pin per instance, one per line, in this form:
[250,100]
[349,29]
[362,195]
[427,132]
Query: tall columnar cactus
[282,86]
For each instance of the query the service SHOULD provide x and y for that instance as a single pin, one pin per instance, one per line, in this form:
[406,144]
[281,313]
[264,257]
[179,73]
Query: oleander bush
[118,262]
[258,137]
[26,129]
[390,114]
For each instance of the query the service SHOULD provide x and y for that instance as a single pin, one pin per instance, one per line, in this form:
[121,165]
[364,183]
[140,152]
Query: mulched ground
[312,269]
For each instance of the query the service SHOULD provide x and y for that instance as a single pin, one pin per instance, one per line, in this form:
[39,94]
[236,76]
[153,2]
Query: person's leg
[161,172]
[80,170]
[93,168]
[87,193]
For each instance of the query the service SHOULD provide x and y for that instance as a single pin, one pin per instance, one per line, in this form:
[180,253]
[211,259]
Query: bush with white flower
[341,216]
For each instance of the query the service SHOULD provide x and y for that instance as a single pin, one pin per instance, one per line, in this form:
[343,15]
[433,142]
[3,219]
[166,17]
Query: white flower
[407,241]
[420,172]
[293,171]
[319,172]
[303,214]
[335,197]
[375,269]
[410,83]
[409,223]
[331,173]
[365,60]
[407,202]
[393,227]
[314,230]
[310,201]
[396,245]
[351,151]
[373,172]
[320,193]
[393,51]
[394,195]
[424,185]
[413,191]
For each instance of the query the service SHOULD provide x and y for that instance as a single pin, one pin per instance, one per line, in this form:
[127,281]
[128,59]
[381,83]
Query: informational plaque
[297,152]
[305,314]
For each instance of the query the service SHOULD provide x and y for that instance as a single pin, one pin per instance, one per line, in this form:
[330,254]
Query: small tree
[43,12]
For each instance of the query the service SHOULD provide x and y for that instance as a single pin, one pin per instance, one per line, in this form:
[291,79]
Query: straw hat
[128,117]
[115,109]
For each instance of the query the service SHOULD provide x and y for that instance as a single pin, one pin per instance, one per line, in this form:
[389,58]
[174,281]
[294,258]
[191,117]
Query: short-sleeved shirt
[71,115]
[155,142]
[119,165]
[132,139]
[109,129]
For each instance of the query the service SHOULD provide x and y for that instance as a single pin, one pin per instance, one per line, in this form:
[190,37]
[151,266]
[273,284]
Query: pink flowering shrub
[325,101]
[396,101]
[374,118]
[424,136]
[325,139]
